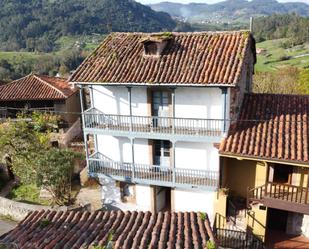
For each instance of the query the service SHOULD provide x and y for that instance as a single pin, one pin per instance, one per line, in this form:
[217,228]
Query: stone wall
[18,210]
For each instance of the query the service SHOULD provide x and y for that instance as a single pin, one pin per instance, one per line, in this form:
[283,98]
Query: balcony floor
[163,177]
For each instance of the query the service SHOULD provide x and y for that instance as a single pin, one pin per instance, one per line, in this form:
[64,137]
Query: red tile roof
[205,58]
[271,126]
[36,87]
[51,229]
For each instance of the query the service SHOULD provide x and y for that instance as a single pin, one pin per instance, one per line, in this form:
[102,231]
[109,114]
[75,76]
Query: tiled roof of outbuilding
[51,229]
[203,58]
[36,87]
[271,126]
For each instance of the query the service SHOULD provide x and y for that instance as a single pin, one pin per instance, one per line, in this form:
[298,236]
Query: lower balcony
[281,196]
[99,165]
[154,126]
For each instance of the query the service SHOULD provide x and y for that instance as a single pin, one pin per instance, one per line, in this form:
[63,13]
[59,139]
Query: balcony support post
[130,106]
[173,162]
[224,101]
[307,189]
[81,96]
[173,109]
[133,159]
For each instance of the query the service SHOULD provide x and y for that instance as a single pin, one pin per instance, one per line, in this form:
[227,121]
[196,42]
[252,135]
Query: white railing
[152,174]
[153,124]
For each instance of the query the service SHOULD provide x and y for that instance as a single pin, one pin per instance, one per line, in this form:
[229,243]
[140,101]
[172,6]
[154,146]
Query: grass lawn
[28,194]
[23,57]
[270,59]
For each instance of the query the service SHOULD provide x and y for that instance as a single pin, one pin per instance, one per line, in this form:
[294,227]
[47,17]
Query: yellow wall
[257,221]
[239,175]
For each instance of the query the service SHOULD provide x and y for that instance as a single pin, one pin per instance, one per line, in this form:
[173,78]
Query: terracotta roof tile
[36,87]
[205,58]
[271,126]
[126,230]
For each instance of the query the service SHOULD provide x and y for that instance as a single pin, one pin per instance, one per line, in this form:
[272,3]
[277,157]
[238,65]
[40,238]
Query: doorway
[162,153]
[162,198]
[277,219]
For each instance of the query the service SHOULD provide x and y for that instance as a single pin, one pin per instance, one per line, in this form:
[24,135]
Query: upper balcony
[152,127]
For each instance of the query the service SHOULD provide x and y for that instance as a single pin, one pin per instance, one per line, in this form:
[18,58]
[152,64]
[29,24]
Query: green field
[273,56]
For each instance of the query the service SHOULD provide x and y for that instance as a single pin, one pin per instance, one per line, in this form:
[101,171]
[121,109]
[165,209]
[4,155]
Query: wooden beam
[285,205]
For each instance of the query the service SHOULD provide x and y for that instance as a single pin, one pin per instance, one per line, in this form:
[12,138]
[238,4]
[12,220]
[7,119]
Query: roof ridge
[50,85]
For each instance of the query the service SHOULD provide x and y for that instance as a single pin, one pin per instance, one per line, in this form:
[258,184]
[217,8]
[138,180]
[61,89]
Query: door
[162,153]
[160,107]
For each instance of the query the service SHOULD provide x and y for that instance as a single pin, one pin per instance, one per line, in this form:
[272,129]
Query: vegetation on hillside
[292,27]
[14,65]
[35,25]
[289,80]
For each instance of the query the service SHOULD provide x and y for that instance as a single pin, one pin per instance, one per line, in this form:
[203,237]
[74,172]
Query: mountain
[230,10]
[36,24]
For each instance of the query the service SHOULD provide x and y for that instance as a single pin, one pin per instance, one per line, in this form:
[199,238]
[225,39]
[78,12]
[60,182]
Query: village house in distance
[160,106]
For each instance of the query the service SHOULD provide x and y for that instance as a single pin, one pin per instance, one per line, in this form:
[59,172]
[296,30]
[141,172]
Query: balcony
[151,127]
[99,165]
[281,196]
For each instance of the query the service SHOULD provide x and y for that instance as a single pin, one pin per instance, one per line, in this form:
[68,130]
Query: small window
[151,48]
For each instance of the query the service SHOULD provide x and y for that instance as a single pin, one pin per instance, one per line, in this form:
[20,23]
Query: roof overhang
[264,159]
[156,84]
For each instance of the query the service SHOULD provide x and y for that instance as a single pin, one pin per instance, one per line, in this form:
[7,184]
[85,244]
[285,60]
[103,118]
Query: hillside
[229,10]
[34,25]
[272,56]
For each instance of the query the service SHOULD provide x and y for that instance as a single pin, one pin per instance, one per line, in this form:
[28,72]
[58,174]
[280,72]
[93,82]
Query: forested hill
[227,11]
[293,27]
[36,24]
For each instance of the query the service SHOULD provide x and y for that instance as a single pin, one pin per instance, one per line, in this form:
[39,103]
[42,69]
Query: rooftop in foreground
[51,229]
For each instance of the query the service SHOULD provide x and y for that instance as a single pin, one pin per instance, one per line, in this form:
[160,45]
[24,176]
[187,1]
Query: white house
[160,105]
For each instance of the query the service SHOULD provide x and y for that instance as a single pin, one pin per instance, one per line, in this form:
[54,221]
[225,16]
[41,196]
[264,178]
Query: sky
[205,1]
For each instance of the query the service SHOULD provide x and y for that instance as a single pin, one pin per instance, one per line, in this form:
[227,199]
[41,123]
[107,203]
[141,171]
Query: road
[6,226]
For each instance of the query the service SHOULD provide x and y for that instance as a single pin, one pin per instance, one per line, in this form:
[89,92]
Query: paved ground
[90,195]
[279,240]
[6,226]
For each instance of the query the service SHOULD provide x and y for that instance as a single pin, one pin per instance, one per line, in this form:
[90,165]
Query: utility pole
[251,24]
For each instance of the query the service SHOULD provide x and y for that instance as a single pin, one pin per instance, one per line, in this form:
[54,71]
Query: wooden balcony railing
[151,124]
[152,174]
[285,193]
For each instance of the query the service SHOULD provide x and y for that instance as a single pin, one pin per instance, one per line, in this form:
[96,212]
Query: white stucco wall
[195,201]
[192,155]
[195,102]
[190,102]
[114,100]
[143,197]
[119,149]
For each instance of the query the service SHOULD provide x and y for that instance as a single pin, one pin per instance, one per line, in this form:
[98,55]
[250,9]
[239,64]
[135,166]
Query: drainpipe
[173,109]
[130,106]
[131,128]
[173,163]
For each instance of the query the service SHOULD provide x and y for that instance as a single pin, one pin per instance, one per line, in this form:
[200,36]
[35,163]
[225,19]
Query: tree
[56,168]
[33,159]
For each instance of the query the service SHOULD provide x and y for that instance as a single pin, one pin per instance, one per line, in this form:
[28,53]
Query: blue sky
[206,1]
